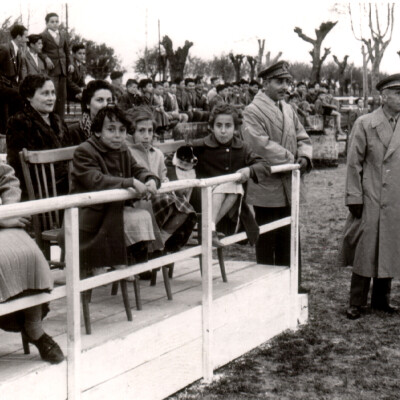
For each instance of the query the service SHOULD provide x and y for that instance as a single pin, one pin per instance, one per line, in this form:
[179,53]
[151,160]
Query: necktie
[392,122]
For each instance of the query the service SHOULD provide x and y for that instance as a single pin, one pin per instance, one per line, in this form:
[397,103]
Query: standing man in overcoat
[373,199]
[273,131]
[57,58]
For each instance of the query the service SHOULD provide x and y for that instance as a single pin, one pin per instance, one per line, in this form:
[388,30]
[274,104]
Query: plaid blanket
[165,206]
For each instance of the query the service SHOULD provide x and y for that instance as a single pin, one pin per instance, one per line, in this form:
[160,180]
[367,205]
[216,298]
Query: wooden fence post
[294,246]
[73,303]
[206,257]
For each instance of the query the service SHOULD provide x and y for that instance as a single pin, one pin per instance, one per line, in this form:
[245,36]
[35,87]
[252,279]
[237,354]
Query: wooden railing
[74,286]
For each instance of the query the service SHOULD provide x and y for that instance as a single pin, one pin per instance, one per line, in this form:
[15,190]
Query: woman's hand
[140,187]
[151,186]
[18,222]
[245,174]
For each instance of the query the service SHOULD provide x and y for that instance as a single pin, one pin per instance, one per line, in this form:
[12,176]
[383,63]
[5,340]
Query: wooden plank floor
[108,315]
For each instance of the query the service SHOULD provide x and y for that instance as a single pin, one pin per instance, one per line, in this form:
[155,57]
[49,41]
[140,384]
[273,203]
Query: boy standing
[56,56]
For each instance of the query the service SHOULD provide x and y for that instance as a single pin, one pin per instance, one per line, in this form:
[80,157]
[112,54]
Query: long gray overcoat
[373,179]
[278,136]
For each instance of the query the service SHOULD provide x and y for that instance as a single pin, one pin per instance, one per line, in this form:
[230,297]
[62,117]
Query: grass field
[331,357]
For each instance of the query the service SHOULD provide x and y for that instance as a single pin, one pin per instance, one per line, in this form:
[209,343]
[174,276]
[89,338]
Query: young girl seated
[104,162]
[221,153]
[174,216]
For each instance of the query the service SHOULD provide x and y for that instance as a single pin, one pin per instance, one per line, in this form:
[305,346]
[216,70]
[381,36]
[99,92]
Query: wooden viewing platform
[169,344]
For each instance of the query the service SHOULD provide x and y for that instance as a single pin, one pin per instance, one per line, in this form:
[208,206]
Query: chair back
[39,169]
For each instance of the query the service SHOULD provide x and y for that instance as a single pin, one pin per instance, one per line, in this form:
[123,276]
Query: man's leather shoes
[353,312]
[387,308]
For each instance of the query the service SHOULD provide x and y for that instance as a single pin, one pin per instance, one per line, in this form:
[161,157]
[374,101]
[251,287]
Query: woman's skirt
[23,266]
[229,188]
[138,225]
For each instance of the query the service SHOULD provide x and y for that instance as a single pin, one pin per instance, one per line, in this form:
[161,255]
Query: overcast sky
[214,26]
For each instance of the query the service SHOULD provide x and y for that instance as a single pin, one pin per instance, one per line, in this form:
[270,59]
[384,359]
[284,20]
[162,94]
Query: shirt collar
[52,33]
[16,48]
[389,117]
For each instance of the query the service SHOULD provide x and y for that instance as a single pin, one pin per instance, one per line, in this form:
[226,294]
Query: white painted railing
[74,286]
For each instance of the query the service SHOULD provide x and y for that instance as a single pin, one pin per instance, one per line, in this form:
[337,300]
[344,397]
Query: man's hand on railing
[245,174]
[303,162]
[17,222]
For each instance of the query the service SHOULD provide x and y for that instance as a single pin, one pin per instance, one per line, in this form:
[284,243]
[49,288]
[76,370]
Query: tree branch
[327,51]
[306,38]
[352,27]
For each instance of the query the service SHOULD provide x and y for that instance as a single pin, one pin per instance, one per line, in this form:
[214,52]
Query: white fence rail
[74,286]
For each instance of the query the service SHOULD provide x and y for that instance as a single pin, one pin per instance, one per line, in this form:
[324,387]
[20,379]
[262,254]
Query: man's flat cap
[278,70]
[391,82]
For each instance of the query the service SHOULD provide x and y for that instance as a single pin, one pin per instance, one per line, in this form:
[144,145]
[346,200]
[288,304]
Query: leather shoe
[49,350]
[387,308]
[353,312]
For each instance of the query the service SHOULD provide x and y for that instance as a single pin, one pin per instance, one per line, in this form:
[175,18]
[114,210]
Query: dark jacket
[10,64]
[57,53]
[28,130]
[76,81]
[215,159]
[129,100]
[101,226]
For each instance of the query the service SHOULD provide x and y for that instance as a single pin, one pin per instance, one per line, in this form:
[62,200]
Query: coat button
[226,168]
[383,206]
[227,150]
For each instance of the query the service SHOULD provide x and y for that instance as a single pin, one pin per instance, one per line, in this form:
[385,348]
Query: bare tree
[317,59]
[269,61]
[237,61]
[253,63]
[177,58]
[380,35]
[261,46]
[342,65]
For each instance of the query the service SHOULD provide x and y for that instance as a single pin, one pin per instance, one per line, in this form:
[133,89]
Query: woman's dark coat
[27,129]
[95,168]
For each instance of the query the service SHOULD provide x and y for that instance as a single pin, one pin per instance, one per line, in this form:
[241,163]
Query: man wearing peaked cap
[273,130]
[372,232]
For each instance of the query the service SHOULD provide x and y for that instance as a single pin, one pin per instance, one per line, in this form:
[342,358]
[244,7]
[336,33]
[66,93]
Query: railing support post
[294,246]
[206,255]
[73,303]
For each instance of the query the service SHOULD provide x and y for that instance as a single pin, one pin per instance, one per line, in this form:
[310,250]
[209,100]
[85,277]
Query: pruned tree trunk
[261,46]
[176,59]
[237,61]
[269,61]
[342,65]
[253,63]
[317,59]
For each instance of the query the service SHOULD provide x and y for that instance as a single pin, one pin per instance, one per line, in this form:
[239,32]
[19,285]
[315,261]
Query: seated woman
[174,216]
[37,127]
[23,270]
[95,96]
[111,231]
[221,153]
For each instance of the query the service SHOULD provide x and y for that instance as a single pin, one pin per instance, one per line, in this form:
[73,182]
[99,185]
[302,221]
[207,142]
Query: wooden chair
[47,226]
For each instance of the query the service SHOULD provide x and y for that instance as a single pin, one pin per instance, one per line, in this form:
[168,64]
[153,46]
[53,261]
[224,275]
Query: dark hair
[223,109]
[144,82]
[360,98]
[116,75]
[213,79]
[49,15]
[294,96]
[31,83]
[113,113]
[91,88]
[243,81]
[77,46]
[220,87]
[158,83]
[254,82]
[300,84]
[177,81]
[130,82]
[17,30]
[189,80]
[33,39]
[198,80]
